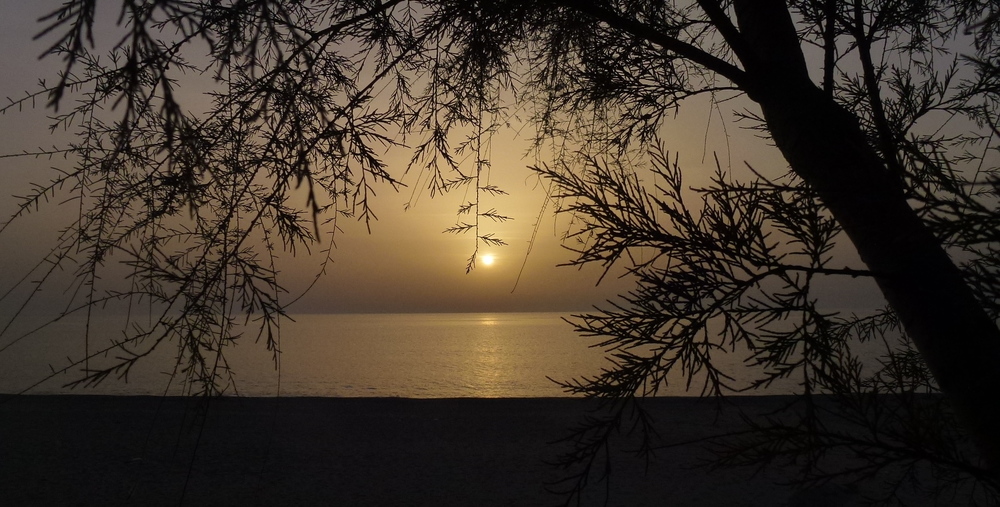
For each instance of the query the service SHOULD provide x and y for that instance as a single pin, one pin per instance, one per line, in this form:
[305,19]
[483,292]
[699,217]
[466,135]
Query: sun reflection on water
[489,320]
[489,369]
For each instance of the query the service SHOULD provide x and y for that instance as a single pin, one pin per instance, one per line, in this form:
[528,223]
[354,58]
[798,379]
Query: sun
[488,259]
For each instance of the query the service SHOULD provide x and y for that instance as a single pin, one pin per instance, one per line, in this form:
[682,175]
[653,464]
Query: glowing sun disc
[488,259]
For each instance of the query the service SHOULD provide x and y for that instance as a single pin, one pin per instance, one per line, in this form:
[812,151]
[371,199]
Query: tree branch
[650,34]
[886,143]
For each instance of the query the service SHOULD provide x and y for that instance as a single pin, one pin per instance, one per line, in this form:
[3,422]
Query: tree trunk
[826,147]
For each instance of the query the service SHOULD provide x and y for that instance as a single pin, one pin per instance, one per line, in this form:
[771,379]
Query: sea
[449,355]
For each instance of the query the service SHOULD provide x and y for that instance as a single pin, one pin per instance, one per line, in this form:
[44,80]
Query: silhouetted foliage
[891,142]
[733,274]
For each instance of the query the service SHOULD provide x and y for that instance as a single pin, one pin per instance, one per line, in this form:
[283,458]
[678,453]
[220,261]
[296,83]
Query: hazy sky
[406,263]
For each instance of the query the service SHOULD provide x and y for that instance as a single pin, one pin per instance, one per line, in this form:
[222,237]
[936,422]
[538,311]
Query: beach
[123,450]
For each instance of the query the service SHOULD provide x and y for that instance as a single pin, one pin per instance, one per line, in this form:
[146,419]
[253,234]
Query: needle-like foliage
[733,275]
[214,135]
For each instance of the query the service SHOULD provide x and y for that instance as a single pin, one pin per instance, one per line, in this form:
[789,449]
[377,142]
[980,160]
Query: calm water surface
[407,355]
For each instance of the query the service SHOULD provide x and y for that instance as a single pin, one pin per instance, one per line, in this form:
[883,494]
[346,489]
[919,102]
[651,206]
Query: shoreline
[150,450]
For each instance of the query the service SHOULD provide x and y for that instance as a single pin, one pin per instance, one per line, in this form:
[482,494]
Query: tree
[735,273]
[306,91]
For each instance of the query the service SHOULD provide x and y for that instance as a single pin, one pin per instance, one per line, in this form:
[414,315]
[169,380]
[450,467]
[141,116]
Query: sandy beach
[97,450]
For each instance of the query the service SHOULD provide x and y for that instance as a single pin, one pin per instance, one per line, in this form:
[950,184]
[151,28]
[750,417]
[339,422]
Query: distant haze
[406,264]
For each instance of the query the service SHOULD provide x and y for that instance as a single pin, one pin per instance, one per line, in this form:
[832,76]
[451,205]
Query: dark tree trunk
[826,147]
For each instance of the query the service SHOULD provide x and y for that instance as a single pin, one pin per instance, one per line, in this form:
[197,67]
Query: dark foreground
[95,450]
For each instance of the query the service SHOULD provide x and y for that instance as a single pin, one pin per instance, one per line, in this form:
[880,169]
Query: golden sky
[407,263]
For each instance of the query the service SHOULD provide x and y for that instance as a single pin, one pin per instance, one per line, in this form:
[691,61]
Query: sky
[406,263]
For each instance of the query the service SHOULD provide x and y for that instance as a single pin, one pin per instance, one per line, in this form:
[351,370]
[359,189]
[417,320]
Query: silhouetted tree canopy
[889,128]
